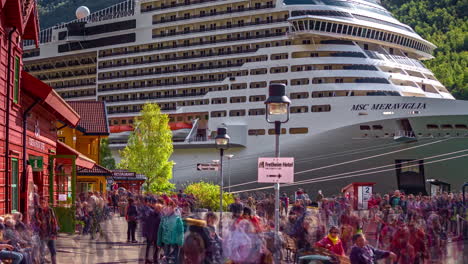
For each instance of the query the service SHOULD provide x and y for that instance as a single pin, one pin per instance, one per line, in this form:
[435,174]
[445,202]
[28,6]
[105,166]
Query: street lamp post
[230,156]
[222,143]
[277,112]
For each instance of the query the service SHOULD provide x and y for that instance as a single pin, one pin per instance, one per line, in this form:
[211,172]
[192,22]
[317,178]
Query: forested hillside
[443,22]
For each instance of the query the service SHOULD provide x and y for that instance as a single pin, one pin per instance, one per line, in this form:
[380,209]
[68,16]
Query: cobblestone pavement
[73,249]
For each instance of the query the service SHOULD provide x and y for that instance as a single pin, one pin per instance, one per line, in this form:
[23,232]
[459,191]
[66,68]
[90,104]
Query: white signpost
[207,167]
[276,170]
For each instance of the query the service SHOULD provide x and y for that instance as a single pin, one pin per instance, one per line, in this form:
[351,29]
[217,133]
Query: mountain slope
[443,22]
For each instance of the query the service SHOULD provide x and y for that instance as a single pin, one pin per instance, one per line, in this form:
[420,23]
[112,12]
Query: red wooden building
[29,110]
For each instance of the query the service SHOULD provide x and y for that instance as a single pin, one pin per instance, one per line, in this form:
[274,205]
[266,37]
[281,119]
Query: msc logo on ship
[396,106]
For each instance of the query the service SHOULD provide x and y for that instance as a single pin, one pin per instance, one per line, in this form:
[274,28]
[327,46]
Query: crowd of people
[402,228]
[30,241]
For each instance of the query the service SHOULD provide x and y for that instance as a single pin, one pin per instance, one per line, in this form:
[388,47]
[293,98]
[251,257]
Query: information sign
[37,163]
[276,170]
[207,166]
[364,195]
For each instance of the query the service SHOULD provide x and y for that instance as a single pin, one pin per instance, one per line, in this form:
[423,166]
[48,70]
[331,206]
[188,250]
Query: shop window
[14,185]
[299,130]
[16,80]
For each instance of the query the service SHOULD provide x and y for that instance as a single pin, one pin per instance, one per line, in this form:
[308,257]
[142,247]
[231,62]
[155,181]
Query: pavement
[114,248]
[73,249]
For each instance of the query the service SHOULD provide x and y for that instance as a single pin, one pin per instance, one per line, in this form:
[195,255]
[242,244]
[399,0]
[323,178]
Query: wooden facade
[29,110]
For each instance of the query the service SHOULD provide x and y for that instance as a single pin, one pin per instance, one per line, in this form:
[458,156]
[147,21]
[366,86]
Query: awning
[81,160]
[49,99]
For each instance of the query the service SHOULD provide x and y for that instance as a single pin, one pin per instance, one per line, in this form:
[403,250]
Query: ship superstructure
[352,70]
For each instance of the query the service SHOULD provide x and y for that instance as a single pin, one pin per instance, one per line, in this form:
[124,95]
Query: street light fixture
[222,143]
[277,112]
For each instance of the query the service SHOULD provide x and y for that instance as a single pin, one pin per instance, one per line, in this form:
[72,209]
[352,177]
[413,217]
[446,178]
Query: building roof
[97,170]
[49,99]
[93,117]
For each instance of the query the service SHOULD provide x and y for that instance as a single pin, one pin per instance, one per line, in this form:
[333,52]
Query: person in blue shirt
[362,253]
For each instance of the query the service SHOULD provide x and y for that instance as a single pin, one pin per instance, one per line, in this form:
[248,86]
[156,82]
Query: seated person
[332,242]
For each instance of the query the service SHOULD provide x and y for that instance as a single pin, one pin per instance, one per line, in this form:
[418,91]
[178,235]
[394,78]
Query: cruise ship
[364,108]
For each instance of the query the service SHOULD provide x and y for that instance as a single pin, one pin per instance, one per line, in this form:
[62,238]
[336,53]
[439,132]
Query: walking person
[48,228]
[150,226]
[131,216]
[171,233]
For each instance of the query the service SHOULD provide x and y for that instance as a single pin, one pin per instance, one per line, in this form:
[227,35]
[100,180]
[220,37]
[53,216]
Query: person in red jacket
[332,242]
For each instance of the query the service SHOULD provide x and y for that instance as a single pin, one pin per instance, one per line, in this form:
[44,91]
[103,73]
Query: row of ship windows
[160,5]
[191,42]
[221,77]
[292,130]
[238,62]
[325,26]
[429,126]
[261,111]
[210,25]
[225,50]
[447,126]
[197,13]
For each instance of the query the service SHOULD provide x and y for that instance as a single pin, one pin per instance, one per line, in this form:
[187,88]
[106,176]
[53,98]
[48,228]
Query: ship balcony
[136,112]
[337,28]
[190,4]
[64,88]
[204,17]
[160,98]
[183,46]
[173,73]
[220,29]
[161,62]
[152,87]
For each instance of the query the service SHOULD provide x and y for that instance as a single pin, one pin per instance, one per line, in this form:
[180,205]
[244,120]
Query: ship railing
[168,34]
[116,53]
[171,71]
[232,52]
[122,9]
[404,134]
[396,59]
[162,20]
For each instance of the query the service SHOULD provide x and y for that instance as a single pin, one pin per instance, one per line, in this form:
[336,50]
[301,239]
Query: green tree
[105,156]
[207,195]
[149,148]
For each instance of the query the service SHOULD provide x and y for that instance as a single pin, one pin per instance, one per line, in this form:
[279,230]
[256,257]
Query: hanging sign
[276,170]
[37,163]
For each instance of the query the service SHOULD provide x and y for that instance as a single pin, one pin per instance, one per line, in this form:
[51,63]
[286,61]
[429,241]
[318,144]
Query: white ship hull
[335,147]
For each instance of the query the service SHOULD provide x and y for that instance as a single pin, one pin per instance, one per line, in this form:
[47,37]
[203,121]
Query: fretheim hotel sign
[276,170]
[395,106]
